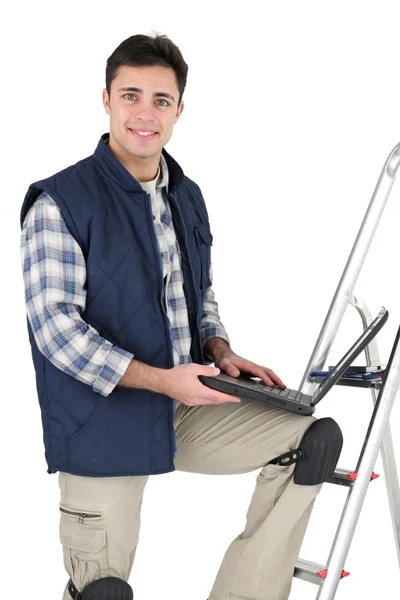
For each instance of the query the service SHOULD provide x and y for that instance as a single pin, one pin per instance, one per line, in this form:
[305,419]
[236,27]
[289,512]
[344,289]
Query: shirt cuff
[112,371]
[211,332]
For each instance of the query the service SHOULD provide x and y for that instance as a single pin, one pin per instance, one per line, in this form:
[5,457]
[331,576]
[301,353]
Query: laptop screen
[351,354]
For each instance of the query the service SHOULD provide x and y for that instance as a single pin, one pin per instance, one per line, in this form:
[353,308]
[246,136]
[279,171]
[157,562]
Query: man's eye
[133,96]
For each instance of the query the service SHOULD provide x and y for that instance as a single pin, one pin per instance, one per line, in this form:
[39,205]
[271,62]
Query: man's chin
[141,150]
[134,152]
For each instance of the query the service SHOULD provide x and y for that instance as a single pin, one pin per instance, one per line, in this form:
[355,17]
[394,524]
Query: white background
[291,111]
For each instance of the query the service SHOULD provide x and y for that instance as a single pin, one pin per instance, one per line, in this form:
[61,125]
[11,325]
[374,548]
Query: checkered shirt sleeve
[211,325]
[54,273]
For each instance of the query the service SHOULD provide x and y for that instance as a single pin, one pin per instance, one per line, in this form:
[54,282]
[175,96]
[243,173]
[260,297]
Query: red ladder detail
[353,476]
[324,573]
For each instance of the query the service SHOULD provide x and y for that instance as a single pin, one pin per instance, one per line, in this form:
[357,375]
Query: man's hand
[232,364]
[182,383]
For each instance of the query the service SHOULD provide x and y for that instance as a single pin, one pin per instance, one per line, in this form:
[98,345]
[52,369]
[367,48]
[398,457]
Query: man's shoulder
[45,199]
[57,189]
[59,179]
[190,186]
[42,207]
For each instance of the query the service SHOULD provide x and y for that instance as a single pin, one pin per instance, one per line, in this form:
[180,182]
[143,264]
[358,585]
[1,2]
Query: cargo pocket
[84,547]
[204,241]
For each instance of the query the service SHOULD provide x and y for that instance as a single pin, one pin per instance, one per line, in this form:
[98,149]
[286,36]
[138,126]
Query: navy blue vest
[131,431]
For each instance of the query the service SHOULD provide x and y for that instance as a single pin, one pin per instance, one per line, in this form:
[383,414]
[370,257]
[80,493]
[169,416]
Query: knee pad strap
[317,455]
[107,588]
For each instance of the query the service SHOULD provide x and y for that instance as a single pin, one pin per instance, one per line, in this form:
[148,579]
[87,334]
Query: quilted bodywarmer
[131,431]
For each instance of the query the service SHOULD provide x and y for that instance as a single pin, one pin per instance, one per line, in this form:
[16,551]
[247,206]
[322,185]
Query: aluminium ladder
[378,435]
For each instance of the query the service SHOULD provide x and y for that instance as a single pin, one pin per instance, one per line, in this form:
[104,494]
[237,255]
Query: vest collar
[117,172]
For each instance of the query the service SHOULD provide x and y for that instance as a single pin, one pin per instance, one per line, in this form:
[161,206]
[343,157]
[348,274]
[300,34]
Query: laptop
[253,388]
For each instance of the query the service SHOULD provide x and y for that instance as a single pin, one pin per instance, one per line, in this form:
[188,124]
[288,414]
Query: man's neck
[142,169]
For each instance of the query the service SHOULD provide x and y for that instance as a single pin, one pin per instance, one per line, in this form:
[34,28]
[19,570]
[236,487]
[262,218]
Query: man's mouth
[143,134]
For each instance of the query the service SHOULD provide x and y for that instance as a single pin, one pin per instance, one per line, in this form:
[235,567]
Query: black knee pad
[317,455]
[108,588]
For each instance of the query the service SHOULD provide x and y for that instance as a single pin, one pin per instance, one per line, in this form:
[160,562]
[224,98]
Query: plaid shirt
[54,272]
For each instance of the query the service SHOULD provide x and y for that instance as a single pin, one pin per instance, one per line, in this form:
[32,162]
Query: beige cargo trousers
[221,439]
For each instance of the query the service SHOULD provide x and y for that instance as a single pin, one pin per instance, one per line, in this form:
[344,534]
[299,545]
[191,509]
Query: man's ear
[179,111]
[106,102]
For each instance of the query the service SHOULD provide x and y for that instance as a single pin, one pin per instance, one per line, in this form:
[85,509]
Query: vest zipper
[179,219]
[160,270]
[81,515]
[165,316]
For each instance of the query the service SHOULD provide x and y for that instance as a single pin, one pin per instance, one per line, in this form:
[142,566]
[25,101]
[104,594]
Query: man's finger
[209,371]
[275,378]
[233,371]
[220,398]
[266,379]
[264,374]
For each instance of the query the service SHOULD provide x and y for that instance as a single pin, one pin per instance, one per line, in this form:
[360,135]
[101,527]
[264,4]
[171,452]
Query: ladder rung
[346,478]
[307,571]
[312,572]
[341,477]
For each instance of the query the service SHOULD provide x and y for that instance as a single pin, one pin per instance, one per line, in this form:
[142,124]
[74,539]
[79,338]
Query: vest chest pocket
[204,240]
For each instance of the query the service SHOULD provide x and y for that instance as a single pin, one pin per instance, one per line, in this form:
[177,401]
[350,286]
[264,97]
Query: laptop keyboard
[285,394]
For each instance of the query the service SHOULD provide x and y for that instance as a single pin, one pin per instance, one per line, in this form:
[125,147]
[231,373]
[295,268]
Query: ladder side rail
[387,448]
[392,481]
[357,492]
[366,319]
[352,269]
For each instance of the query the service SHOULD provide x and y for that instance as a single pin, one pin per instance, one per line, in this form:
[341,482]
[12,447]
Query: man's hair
[144,50]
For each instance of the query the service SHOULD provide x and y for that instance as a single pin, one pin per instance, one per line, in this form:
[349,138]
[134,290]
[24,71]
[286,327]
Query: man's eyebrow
[139,91]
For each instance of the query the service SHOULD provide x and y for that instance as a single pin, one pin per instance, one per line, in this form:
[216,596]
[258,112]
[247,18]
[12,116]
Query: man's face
[143,109]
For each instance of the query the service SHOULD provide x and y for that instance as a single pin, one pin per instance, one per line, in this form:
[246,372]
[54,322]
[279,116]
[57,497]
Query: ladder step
[312,572]
[346,478]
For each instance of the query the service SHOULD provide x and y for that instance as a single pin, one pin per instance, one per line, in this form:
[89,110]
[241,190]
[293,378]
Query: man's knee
[317,454]
[107,588]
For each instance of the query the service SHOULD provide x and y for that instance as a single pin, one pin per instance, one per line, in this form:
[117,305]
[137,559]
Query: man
[123,320]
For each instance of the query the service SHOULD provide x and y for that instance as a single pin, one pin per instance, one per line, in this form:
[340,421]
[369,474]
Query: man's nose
[145,112]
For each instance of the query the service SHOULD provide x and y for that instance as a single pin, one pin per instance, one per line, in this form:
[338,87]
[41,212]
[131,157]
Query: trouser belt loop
[73,591]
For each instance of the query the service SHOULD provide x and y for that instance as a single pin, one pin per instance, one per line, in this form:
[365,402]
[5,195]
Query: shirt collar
[163,176]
